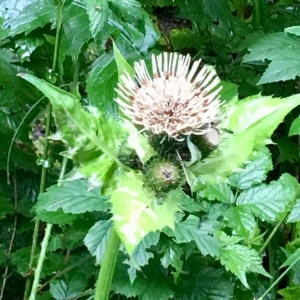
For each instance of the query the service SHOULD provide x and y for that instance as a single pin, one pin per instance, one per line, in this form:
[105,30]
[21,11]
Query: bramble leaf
[295,127]
[239,259]
[282,50]
[268,201]
[294,215]
[72,197]
[97,237]
[192,230]
[218,191]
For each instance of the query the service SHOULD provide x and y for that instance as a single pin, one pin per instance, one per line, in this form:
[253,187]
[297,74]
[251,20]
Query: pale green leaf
[135,211]
[254,172]
[268,201]
[24,16]
[292,259]
[96,239]
[241,221]
[290,293]
[293,30]
[295,127]
[122,65]
[138,142]
[192,230]
[239,260]
[218,191]
[72,197]
[98,15]
[294,215]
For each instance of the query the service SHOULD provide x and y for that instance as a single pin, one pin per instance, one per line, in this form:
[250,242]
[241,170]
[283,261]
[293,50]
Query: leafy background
[239,236]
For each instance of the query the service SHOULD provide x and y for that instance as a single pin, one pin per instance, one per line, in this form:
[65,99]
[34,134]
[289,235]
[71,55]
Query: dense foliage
[78,179]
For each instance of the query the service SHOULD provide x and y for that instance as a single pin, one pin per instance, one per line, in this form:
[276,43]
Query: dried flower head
[175,101]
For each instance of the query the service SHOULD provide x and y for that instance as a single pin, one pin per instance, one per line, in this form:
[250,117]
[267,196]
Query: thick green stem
[108,266]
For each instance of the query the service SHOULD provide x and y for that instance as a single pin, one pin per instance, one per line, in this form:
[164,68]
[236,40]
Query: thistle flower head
[175,101]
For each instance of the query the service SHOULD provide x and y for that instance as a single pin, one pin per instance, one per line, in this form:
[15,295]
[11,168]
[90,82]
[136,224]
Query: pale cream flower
[176,101]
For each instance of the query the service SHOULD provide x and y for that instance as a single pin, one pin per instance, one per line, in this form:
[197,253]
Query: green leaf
[294,215]
[7,207]
[206,284]
[290,293]
[96,239]
[229,90]
[24,16]
[239,259]
[75,31]
[72,197]
[192,230]
[98,15]
[293,30]
[122,65]
[252,122]
[268,201]
[254,172]
[138,142]
[135,211]
[282,50]
[243,222]
[62,290]
[295,127]
[92,139]
[26,46]
[219,191]
[292,259]
[56,217]
[140,256]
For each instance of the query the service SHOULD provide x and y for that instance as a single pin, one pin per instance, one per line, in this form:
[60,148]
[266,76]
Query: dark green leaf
[239,259]
[97,237]
[268,201]
[56,217]
[192,230]
[72,197]
[24,16]
[6,205]
[98,15]
[290,293]
[292,259]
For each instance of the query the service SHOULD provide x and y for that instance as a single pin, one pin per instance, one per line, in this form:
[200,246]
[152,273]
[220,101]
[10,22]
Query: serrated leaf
[254,172]
[98,15]
[192,230]
[282,50]
[26,46]
[140,256]
[268,201]
[290,293]
[149,285]
[241,221]
[208,284]
[75,31]
[239,259]
[96,239]
[56,217]
[138,142]
[295,127]
[135,212]
[186,202]
[218,191]
[292,259]
[63,290]
[252,122]
[72,197]
[92,139]
[7,207]
[24,16]
[294,215]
